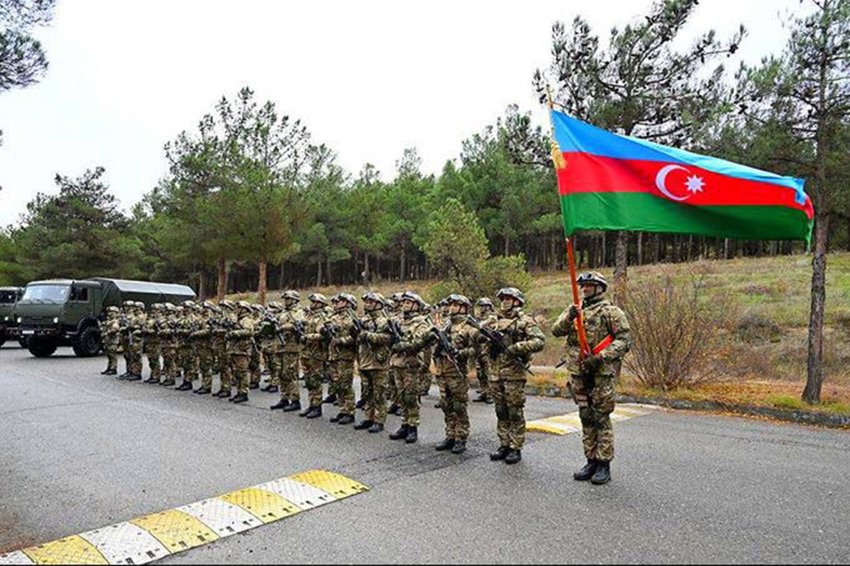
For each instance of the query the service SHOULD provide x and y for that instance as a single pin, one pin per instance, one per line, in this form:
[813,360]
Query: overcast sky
[368,78]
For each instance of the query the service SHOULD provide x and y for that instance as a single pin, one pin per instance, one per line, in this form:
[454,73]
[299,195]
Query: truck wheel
[87,343]
[41,348]
[2,337]
[23,341]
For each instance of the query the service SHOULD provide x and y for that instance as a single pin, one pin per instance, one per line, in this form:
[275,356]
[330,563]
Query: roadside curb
[790,415]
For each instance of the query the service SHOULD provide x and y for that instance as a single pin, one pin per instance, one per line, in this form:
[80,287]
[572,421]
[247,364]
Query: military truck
[8,327]
[65,312]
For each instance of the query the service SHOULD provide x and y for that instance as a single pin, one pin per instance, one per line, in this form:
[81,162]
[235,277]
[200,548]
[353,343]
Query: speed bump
[571,422]
[151,537]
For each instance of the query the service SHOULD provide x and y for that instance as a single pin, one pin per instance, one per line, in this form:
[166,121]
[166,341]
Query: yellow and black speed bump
[570,423]
[145,539]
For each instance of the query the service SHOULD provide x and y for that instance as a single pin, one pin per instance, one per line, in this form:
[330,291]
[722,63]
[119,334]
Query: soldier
[168,344]
[240,346]
[342,352]
[269,343]
[185,346]
[393,387]
[482,356]
[152,343]
[407,359]
[291,324]
[374,339]
[593,377]
[124,321]
[225,322]
[135,343]
[110,330]
[257,312]
[314,354]
[202,337]
[514,336]
[456,344]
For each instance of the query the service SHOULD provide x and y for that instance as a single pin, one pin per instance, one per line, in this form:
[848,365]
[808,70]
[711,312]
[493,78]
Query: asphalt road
[82,451]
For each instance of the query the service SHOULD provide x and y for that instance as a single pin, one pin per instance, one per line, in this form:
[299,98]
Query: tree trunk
[202,286]
[280,279]
[639,248]
[318,273]
[621,277]
[262,283]
[221,286]
[401,263]
[603,256]
[814,363]
[328,271]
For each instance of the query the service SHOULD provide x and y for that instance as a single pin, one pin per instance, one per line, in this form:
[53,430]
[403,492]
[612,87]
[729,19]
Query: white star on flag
[694,184]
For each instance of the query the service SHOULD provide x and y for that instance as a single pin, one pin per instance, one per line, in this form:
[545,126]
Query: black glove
[572,313]
[591,364]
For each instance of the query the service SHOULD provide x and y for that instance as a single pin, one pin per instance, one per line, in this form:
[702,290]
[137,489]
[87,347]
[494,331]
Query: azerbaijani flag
[612,182]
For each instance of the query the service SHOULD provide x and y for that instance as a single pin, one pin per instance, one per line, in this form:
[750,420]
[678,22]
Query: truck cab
[60,312]
[8,326]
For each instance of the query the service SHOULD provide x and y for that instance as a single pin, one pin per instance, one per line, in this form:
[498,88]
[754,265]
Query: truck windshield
[8,297]
[46,293]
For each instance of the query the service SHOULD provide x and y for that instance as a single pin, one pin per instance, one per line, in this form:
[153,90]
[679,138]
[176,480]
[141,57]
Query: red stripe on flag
[686,184]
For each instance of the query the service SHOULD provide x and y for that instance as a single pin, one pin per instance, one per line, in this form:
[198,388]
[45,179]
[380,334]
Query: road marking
[571,422]
[155,536]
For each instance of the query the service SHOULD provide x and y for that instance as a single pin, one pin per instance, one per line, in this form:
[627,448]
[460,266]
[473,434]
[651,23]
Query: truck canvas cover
[115,291]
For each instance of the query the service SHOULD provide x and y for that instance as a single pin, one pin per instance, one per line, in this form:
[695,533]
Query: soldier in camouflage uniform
[342,352]
[594,376]
[240,346]
[314,353]
[373,354]
[518,336]
[123,321]
[452,364]
[269,342]
[185,345]
[485,312]
[135,342]
[255,365]
[152,343]
[202,337]
[110,330]
[393,388]
[407,360]
[291,324]
[427,355]
[225,321]
[168,345]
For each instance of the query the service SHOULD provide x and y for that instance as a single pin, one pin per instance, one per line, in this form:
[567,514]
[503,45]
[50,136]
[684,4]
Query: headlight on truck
[19,320]
[55,320]
[5,319]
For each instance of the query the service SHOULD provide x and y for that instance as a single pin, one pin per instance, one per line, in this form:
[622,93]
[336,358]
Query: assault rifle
[299,331]
[445,346]
[395,331]
[496,340]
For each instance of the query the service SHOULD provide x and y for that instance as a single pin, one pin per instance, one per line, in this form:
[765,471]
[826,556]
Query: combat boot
[513,457]
[360,404]
[482,398]
[459,447]
[272,389]
[107,371]
[412,435]
[587,471]
[345,420]
[168,382]
[377,427]
[254,385]
[400,434]
[500,454]
[602,475]
[151,380]
[293,406]
[335,418]
[363,425]
[222,394]
[133,377]
[202,391]
[394,409]
[315,412]
[305,412]
[240,398]
[185,386]
[111,372]
[282,404]
[446,444]
[331,398]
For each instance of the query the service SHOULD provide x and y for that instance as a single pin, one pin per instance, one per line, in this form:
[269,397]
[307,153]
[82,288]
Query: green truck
[8,327]
[65,312]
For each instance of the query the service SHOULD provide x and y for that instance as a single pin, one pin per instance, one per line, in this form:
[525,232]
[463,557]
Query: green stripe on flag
[644,212]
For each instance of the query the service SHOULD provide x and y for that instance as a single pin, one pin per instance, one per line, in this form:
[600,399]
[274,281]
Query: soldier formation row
[392,344]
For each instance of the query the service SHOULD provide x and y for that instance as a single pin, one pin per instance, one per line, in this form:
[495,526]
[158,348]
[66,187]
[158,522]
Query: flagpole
[584,349]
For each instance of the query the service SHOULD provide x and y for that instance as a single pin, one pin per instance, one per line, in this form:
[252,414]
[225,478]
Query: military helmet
[374,296]
[512,292]
[139,305]
[128,304]
[413,296]
[484,302]
[397,296]
[227,304]
[594,278]
[188,304]
[168,306]
[275,306]
[458,299]
[318,298]
[244,305]
[348,298]
[211,306]
[294,295]
[113,309]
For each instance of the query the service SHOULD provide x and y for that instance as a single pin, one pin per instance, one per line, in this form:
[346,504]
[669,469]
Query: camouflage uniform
[393,390]
[202,338]
[523,337]
[373,355]
[168,344]
[185,346]
[240,346]
[224,322]
[485,315]
[133,347]
[153,344]
[342,353]
[254,364]
[407,360]
[291,320]
[110,330]
[593,390]
[270,345]
[314,353]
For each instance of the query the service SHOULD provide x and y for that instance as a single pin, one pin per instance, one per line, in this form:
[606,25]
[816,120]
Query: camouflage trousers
[392,389]
[203,351]
[254,366]
[225,369]
[241,364]
[424,379]
[408,380]
[372,391]
[482,372]
[342,379]
[271,359]
[169,360]
[153,349]
[133,356]
[454,397]
[288,376]
[509,400]
[188,362]
[111,356]
[595,408]
[313,370]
